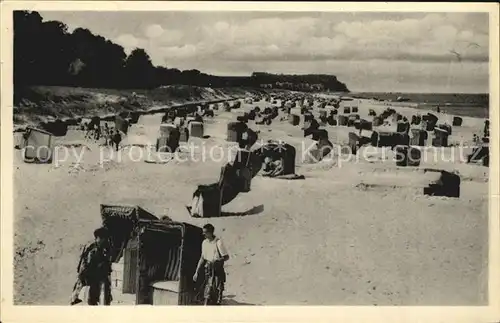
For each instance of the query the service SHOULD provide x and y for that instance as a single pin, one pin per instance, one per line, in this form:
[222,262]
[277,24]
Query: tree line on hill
[46,53]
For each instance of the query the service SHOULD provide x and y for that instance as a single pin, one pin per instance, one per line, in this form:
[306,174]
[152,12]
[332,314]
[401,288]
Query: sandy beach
[352,233]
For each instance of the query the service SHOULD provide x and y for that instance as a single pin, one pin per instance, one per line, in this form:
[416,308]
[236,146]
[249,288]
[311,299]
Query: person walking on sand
[94,269]
[213,256]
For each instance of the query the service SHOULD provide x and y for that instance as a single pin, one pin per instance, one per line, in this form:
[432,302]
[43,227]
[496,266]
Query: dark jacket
[94,264]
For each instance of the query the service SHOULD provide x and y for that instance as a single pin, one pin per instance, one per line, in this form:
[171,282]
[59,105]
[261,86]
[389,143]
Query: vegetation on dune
[39,103]
[308,82]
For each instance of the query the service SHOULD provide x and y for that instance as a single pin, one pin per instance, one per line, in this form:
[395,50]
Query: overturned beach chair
[208,199]
[447,185]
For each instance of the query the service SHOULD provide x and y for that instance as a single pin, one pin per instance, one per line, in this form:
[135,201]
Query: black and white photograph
[252,157]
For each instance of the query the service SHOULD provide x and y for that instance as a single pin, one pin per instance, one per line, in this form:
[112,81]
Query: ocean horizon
[461,104]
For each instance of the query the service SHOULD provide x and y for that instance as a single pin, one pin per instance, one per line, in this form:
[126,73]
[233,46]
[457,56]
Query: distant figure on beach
[94,270]
[89,127]
[97,132]
[107,135]
[213,256]
[438,109]
[486,128]
[475,139]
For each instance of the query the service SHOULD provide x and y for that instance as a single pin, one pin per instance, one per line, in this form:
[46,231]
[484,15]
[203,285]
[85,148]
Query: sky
[369,51]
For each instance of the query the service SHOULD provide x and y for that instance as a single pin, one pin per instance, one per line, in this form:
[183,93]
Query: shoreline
[405,108]
[460,108]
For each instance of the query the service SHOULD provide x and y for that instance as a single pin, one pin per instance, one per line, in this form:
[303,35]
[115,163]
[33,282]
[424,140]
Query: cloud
[170,37]
[161,37]
[427,38]
[421,40]
[153,31]
[221,26]
[328,43]
[127,41]
[180,52]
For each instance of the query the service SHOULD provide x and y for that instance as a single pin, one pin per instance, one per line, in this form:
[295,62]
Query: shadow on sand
[230,301]
[253,211]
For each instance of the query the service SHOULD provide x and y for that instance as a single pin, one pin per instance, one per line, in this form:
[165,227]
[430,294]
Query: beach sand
[351,233]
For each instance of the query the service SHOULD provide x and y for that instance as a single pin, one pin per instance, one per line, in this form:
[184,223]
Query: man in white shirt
[213,256]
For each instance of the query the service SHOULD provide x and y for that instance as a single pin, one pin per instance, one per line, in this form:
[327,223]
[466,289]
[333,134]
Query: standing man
[213,256]
[94,269]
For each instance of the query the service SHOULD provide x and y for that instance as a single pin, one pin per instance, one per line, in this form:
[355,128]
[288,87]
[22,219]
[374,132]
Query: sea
[460,104]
